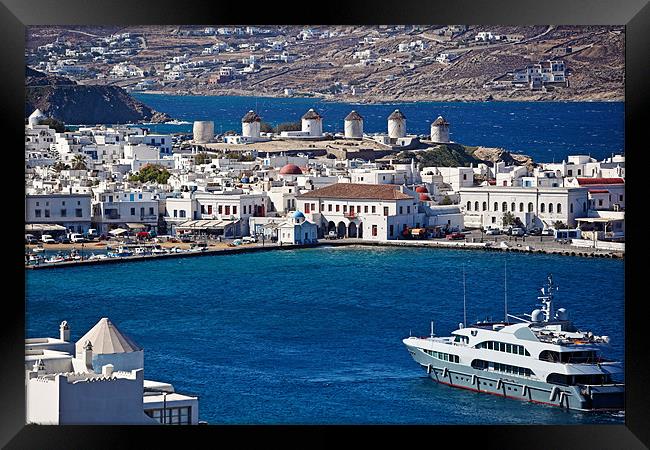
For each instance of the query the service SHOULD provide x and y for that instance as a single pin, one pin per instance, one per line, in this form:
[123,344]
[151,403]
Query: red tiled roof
[598,191]
[358,191]
[588,181]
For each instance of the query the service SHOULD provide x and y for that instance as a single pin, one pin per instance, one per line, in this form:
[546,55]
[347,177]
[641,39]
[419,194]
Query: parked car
[517,232]
[63,240]
[455,236]
[548,232]
[77,238]
[492,231]
[48,239]
[249,239]
[535,231]
[332,235]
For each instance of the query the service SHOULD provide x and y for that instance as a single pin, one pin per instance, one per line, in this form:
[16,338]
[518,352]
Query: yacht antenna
[432,334]
[464,301]
[505,288]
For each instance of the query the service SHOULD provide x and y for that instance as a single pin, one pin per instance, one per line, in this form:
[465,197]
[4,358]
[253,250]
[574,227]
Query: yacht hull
[581,397]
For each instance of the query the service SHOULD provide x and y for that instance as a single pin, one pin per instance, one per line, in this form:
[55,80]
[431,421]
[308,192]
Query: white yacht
[543,359]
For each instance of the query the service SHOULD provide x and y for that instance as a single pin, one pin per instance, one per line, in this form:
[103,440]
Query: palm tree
[79,162]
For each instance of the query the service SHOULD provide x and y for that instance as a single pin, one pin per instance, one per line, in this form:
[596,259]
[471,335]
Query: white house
[71,211]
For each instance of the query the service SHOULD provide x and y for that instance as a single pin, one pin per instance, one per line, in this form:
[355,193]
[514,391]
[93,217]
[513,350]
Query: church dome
[290,169]
[421,190]
[298,215]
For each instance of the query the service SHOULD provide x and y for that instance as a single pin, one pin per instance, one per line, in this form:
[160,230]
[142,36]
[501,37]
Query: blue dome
[244,180]
[298,215]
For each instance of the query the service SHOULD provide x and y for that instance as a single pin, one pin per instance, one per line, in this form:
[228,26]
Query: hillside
[457,155]
[65,100]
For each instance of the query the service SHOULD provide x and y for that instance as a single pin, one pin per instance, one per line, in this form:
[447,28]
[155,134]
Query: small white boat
[55,259]
[38,249]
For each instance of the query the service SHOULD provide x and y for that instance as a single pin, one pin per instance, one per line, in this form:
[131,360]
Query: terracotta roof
[397,114]
[440,121]
[598,191]
[311,114]
[290,169]
[358,191]
[251,116]
[353,116]
[588,181]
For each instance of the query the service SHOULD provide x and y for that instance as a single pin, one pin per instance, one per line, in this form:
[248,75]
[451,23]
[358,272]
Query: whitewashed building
[71,211]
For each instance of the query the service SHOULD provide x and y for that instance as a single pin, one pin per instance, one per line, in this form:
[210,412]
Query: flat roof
[44,227]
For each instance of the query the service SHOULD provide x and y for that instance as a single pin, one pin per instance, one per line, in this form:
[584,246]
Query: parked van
[48,239]
[517,232]
[77,238]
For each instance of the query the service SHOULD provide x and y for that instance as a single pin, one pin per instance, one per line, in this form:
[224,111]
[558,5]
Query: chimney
[64,331]
[88,355]
[107,370]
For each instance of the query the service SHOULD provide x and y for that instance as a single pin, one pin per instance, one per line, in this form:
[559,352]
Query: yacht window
[490,345]
[509,348]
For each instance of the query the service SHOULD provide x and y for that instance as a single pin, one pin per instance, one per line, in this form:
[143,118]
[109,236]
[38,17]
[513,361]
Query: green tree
[59,166]
[266,127]
[79,162]
[288,126]
[559,225]
[445,200]
[508,219]
[51,122]
[202,158]
[151,172]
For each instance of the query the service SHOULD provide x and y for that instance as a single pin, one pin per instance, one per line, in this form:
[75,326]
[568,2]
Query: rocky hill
[457,155]
[65,100]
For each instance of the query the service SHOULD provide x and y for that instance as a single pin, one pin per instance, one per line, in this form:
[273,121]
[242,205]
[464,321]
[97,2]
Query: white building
[312,123]
[353,126]
[297,230]
[440,131]
[250,124]
[374,212]
[136,210]
[396,125]
[71,211]
[64,388]
[485,206]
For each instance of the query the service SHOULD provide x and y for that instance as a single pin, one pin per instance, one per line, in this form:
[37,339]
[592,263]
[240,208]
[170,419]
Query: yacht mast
[505,289]
[464,301]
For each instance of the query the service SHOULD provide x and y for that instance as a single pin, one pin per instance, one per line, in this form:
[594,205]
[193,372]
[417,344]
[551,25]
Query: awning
[205,224]
[44,227]
[598,219]
[117,231]
[136,226]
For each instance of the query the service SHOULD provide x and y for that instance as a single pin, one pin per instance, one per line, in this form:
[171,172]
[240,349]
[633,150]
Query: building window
[47,213]
[408,210]
[374,209]
[469,206]
[475,206]
[227,210]
[374,230]
[571,208]
[220,209]
[151,213]
[512,207]
[494,220]
[620,198]
[541,207]
[37,204]
[307,210]
[400,210]
[530,207]
[521,207]
[234,209]
[386,212]
[345,208]
[64,213]
[209,210]
[484,206]
[559,208]
[63,202]
[133,211]
[600,202]
[329,207]
[550,207]
[365,208]
[496,206]
[175,213]
[391,231]
[338,208]
[504,206]
[78,212]
[570,172]
[37,213]
[202,209]
[182,213]
[464,176]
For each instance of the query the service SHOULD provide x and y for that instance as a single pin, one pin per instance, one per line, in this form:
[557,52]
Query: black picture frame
[15,15]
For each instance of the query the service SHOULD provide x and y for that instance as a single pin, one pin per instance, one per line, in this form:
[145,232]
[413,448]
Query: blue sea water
[313,336]
[546,131]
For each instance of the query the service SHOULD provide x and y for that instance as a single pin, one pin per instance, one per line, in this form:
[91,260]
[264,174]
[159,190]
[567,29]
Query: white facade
[203,131]
[535,207]
[396,125]
[69,210]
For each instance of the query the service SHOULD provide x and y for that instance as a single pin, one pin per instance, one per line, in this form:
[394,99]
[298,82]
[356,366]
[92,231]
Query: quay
[555,249]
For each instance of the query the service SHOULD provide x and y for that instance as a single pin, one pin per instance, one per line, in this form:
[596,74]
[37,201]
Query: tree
[266,127]
[559,225]
[445,200]
[79,162]
[59,166]
[151,172]
[51,122]
[288,126]
[508,219]
[202,158]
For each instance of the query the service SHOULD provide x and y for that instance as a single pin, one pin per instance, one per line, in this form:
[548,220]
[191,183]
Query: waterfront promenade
[504,245]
